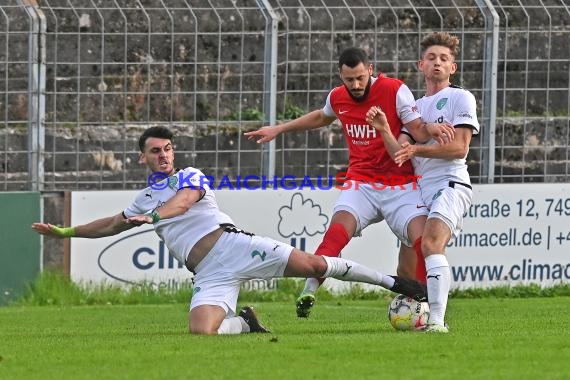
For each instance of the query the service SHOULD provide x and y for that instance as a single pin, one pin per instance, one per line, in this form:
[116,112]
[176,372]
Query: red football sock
[335,239]
[421,272]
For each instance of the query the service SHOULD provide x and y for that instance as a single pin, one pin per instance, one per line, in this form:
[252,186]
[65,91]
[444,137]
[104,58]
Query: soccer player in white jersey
[185,215]
[445,184]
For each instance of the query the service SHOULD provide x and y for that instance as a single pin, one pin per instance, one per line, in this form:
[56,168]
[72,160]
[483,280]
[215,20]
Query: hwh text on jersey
[360,131]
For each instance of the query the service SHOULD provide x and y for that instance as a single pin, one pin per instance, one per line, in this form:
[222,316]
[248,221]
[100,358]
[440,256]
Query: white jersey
[183,231]
[455,106]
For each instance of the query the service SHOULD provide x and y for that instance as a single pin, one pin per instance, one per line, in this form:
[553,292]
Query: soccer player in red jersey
[375,188]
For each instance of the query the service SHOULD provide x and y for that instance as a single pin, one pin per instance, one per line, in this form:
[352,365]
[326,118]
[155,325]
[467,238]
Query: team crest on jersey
[441,103]
[173,182]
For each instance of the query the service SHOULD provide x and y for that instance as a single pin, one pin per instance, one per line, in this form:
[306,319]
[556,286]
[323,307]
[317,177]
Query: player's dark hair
[440,39]
[158,132]
[352,57]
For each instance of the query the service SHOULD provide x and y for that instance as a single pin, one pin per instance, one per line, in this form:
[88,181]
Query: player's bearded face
[360,95]
[357,80]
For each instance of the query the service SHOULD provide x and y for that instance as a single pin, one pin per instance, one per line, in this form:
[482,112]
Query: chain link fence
[81,79]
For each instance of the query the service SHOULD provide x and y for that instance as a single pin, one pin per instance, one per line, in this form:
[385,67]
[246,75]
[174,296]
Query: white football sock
[348,270]
[233,325]
[438,284]
[311,286]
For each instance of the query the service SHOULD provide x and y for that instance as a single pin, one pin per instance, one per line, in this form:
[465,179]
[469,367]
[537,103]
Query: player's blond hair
[441,39]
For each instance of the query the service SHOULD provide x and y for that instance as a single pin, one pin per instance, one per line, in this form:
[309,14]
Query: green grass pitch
[490,338]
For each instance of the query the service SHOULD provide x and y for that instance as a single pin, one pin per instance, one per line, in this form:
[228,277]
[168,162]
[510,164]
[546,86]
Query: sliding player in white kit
[445,184]
[184,212]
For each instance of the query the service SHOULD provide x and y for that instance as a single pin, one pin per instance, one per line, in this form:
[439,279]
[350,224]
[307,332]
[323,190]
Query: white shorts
[448,203]
[369,204]
[235,258]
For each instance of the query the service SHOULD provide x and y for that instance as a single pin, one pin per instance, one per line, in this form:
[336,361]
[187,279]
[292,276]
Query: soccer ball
[406,313]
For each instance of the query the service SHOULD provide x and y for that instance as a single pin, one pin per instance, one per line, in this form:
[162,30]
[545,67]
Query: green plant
[290,112]
[248,114]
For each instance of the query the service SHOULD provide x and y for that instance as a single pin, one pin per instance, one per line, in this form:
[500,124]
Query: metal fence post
[490,62]
[36,93]
[269,83]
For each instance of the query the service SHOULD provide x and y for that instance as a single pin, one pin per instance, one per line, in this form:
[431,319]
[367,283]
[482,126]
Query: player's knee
[431,244]
[198,328]
[202,330]
[318,266]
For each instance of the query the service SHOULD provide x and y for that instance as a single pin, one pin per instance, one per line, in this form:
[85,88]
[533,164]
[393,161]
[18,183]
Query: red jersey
[368,157]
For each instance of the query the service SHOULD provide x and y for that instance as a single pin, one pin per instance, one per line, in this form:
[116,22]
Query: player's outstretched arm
[312,120]
[108,226]
[265,134]
[177,205]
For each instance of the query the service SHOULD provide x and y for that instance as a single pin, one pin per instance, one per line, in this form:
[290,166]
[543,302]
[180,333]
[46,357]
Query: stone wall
[206,80]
